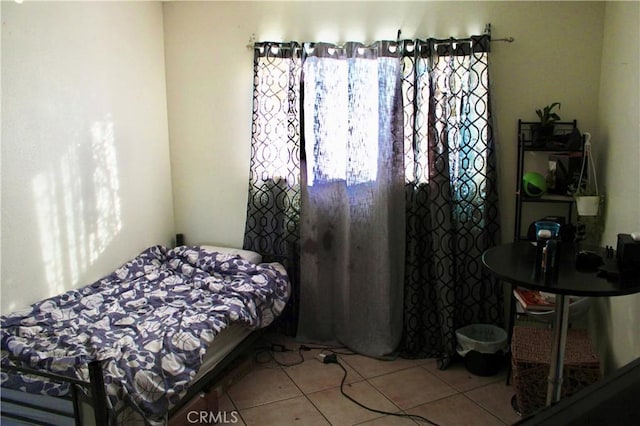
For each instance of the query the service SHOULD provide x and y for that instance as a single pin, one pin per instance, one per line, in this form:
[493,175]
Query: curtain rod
[487,31]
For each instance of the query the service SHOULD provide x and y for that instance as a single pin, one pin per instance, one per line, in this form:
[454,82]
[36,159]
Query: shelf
[565,139]
[531,148]
[548,198]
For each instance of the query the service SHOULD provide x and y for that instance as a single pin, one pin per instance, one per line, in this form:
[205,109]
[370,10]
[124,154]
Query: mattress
[231,336]
[226,341]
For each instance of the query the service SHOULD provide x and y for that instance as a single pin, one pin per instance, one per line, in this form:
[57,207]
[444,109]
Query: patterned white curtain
[452,215]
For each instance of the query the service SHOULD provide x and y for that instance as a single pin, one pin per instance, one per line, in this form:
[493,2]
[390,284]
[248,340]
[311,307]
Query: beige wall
[86,182]
[616,321]
[209,75]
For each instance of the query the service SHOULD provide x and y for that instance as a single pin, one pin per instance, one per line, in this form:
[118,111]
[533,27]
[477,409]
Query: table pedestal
[554,388]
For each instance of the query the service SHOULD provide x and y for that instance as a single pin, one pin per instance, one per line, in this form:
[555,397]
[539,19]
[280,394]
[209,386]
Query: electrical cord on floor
[333,359]
[273,348]
[270,349]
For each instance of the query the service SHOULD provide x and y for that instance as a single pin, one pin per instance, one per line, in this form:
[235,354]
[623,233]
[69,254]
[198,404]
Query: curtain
[451,194]
[273,208]
[373,180]
[352,219]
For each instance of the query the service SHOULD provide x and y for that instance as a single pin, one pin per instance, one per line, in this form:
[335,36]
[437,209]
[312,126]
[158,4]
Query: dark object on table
[588,261]
[609,402]
[610,252]
[628,253]
[610,272]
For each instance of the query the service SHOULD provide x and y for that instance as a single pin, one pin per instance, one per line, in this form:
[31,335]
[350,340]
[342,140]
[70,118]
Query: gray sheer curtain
[352,214]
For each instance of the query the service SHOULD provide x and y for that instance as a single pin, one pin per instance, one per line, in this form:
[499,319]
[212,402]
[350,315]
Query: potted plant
[543,131]
[587,197]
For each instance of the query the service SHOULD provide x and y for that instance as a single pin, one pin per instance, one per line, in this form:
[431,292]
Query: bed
[141,342]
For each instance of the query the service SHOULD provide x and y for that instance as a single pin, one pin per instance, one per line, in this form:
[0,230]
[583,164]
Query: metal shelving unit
[560,142]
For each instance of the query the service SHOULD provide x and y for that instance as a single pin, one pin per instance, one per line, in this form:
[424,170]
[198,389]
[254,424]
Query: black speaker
[564,171]
[628,253]
[179,240]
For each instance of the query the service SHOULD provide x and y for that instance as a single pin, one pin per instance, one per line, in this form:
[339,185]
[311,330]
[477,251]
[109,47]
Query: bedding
[150,322]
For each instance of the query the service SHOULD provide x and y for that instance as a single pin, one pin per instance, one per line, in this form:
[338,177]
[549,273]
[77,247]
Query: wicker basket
[531,352]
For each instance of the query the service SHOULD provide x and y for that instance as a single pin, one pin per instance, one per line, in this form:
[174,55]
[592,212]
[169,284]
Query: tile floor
[309,393]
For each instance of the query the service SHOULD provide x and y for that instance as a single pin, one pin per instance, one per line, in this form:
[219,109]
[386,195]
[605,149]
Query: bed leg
[77,413]
[98,393]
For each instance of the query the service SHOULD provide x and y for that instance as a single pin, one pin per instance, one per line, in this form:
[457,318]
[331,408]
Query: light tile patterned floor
[309,393]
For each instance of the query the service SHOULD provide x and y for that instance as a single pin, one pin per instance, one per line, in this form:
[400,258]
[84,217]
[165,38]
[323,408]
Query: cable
[271,350]
[333,359]
[587,162]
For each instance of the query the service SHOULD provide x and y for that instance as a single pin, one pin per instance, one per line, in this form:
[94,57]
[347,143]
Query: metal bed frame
[97,396]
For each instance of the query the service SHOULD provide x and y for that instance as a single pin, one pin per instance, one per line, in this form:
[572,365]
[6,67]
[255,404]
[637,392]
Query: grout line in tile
[241,418]
[317,408]
[483,408]
[438,399]
[383,394]
[367,421]
[404,416]
[433,400]
[271,402]
[340,389]
[457,392]
[306,395]
[381,374]
[498,378]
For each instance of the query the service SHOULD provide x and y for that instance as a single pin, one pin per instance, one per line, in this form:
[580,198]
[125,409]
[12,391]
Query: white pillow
[248,255]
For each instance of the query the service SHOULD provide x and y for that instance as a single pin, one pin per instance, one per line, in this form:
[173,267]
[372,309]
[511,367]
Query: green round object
[534,184]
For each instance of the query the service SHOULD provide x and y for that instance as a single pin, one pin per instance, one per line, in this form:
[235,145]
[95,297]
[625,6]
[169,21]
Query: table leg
[557,353]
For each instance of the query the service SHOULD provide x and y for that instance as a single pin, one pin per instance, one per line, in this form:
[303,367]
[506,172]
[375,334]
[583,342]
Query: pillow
[248,255]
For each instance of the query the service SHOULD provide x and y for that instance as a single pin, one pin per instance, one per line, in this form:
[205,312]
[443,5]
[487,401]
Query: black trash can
[483,347]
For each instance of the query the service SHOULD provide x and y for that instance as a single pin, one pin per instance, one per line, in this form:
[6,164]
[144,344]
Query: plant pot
[588,205]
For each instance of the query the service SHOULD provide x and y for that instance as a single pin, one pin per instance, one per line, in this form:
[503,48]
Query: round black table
[516,263]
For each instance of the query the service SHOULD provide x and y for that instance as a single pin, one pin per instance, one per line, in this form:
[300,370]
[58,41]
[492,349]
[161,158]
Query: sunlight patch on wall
[78,208]
[48,215]
[106,185]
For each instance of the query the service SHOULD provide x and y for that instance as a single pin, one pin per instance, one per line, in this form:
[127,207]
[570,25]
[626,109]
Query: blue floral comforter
[150,321]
